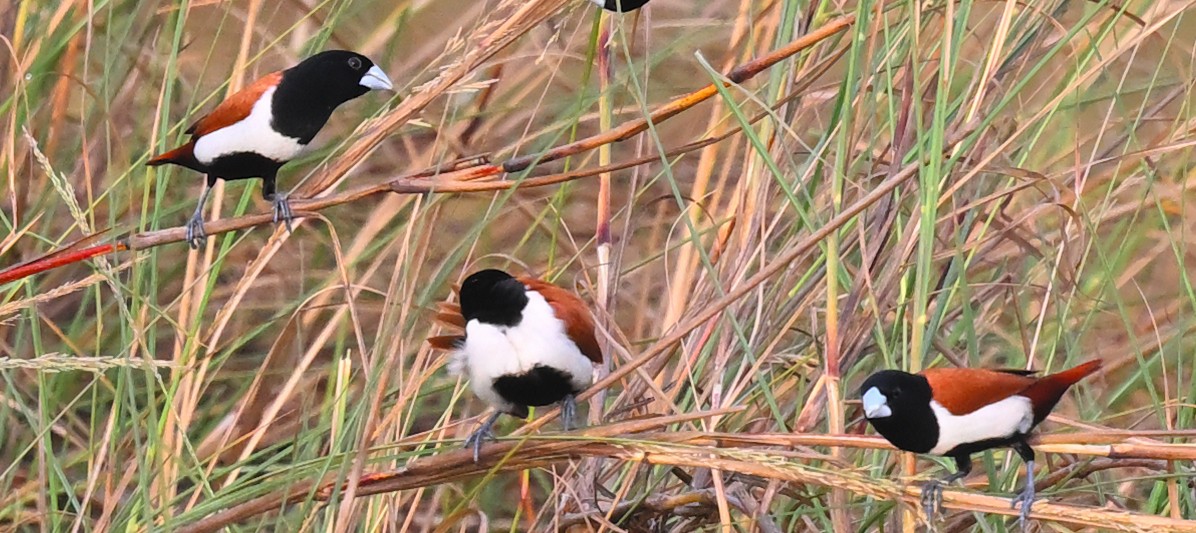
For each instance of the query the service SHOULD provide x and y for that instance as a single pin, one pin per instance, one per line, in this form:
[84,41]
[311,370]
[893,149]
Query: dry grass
[765,201]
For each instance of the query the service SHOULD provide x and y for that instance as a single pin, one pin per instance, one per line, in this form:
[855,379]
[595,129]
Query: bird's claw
[196,236]
[481,435]
[1026,499]
[932,499]
[476,439]
[568,413]
[282,210]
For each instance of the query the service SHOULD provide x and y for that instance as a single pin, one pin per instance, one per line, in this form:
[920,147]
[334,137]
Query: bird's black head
[493,297]
[311,90]
[338,75]
[897,404]
[621,5]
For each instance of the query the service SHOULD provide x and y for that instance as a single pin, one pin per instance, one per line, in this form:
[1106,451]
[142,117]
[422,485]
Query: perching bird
[620,5]
[955,412]
[527,343]
[256,131]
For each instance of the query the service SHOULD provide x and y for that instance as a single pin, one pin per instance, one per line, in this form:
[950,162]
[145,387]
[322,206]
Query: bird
[257,130]
[623,6]
[955,412]
[526,343]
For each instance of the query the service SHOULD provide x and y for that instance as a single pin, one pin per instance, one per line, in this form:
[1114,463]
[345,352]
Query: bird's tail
[1047,391]
[448,316]
[183,155]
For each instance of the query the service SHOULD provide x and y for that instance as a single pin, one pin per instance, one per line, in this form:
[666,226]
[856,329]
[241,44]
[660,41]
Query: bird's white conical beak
[376,79]
[876,405]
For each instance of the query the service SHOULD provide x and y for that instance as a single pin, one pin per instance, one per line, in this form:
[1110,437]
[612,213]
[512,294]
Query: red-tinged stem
[462,176]
[60,259]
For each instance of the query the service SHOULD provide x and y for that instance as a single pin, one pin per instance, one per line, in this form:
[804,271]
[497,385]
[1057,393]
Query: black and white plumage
[955,412]
[254,132]
[620,5]
[526,343]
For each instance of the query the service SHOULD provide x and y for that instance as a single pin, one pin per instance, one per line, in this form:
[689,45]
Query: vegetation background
[924,183]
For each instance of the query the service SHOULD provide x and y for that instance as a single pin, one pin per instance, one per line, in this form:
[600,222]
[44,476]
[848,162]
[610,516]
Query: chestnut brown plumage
[257,130]
[955,412]
[522,342]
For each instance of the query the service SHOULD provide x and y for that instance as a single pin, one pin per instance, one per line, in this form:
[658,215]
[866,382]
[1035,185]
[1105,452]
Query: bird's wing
[1017,371]
[235,107]
[964,390]
[579,324]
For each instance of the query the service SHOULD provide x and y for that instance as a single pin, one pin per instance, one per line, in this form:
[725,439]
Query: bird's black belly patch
[969,448]
[243,165]
[540,386]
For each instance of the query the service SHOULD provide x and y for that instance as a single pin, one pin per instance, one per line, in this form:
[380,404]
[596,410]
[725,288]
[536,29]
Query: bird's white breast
[250,134]
[492,351]
[999,420]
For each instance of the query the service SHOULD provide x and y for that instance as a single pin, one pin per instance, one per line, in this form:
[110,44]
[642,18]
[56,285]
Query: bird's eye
[895,393]
[354,63]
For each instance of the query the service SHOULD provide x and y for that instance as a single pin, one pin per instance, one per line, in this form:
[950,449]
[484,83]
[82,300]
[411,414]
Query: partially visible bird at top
[257,130]
[526,343]
[620,5]
[955,412]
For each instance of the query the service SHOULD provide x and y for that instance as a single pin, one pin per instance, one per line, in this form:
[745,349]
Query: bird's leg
[196,236]
[483,433]
[568,412]
[282,207]
[1026,497]
[932,491]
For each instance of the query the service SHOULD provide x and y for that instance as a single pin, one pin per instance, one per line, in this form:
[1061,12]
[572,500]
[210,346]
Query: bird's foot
[476,439]
[1026,498]
[196,236]
[569,413]
[282,210]
[480,435]
[932,499]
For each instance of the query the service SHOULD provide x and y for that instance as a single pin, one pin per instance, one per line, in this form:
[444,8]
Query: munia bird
[955,412]
[620,5]
[260,128]
[526,342]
